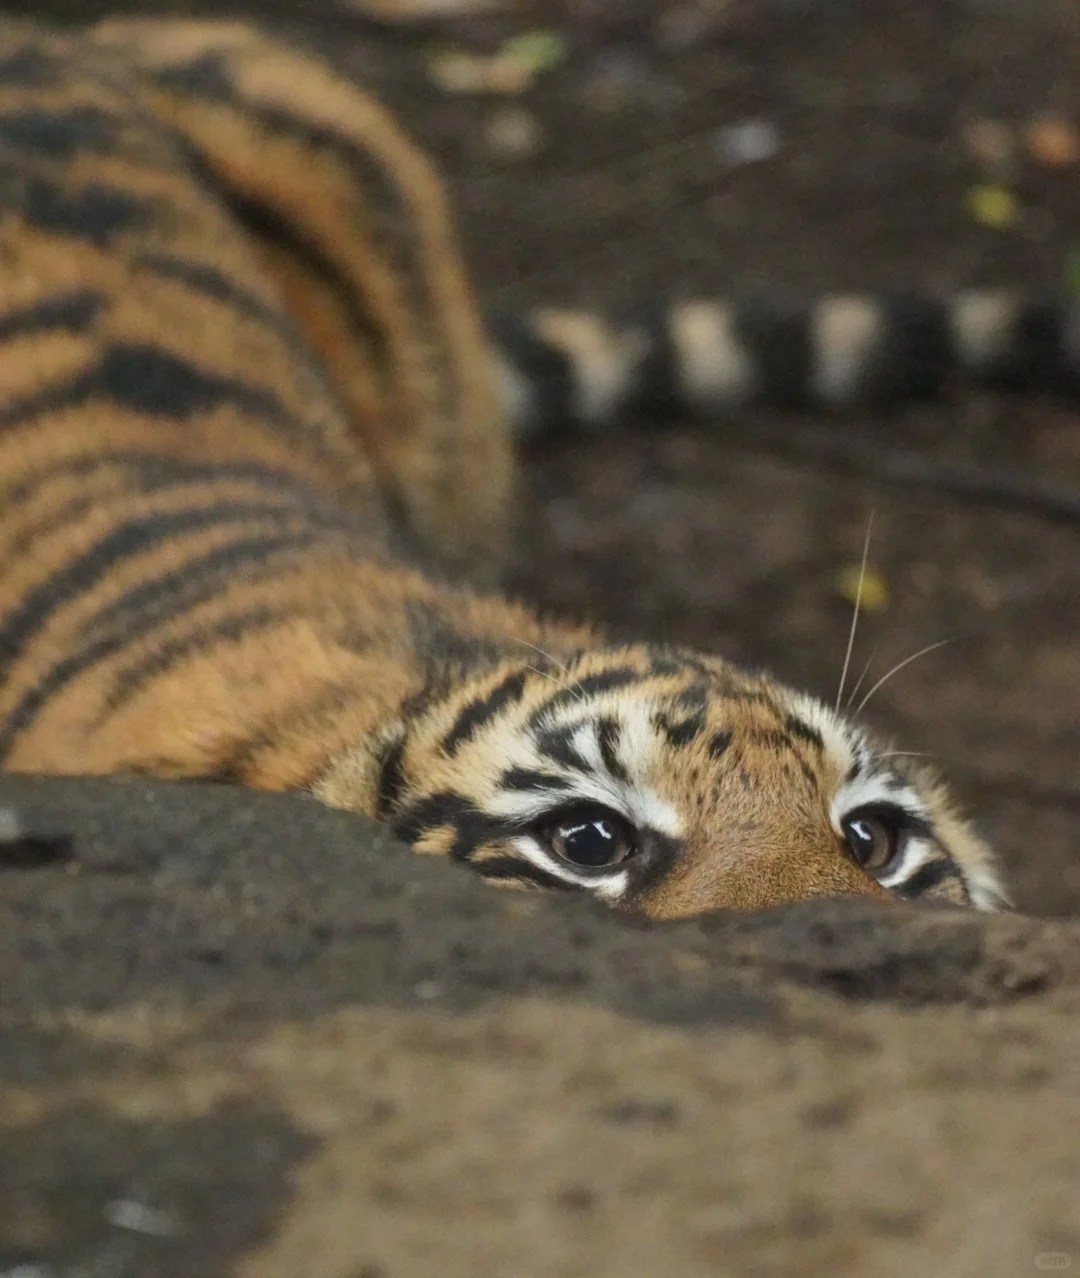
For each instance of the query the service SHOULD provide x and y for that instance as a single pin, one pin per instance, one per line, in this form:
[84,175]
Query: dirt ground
[243,1035]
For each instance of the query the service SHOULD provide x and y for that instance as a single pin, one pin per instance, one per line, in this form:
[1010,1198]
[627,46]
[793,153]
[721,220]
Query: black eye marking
[526,779]
[512,869]
[471,827]
[608,734]
[929,876]
[589,837]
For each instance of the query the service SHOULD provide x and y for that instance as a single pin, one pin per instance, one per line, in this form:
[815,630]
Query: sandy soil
[243,1035]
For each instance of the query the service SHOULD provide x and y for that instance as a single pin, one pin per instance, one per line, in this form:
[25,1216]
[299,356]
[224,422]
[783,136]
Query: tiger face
[664,784]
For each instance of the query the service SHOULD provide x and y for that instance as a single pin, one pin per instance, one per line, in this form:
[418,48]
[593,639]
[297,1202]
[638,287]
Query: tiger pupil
[592,842]
[863,833]
[871,841]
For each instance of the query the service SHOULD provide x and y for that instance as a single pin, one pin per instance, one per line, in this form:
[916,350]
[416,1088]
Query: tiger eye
[872,838]
[592,838]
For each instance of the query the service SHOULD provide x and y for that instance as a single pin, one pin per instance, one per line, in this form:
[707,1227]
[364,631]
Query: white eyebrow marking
[585,742]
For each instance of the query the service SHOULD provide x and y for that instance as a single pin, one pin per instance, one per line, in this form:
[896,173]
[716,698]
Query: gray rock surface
[243,1034]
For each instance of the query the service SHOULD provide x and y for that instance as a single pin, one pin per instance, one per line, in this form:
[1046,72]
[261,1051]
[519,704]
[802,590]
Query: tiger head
[664,783]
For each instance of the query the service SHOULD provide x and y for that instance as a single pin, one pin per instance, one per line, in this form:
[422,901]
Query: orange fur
[249,435]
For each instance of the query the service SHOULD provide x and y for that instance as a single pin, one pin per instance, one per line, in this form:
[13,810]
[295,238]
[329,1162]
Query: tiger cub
[253,438]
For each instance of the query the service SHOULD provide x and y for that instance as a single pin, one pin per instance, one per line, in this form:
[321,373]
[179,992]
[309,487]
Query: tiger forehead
[682,707]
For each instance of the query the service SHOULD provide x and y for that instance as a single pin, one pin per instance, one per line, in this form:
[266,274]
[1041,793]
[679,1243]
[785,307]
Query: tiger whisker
[865,671]
[574,689]
[575,692]
[546,655]
[932,647]
[855,613]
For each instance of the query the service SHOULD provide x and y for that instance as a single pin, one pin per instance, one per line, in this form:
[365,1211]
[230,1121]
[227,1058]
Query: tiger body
[253,440]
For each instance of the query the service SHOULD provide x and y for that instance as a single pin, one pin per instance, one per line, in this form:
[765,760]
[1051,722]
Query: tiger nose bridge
[826,869]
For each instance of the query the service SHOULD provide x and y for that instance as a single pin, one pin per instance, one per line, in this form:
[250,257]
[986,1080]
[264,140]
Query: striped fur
[834,353]
[250,439]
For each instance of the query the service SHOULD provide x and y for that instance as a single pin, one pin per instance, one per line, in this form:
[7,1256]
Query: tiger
[257,453]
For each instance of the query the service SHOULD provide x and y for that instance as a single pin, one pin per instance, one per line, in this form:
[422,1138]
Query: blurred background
[605,152]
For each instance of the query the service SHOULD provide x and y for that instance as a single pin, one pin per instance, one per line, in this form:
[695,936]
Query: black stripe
[56,518]
[133,537]
[28,68]
[1037,357]
[130,681]
[204,76]
[211,282]
[916,355]
[439,643]
[659,381]
[391,778]
[608,733]
[96,213]
[547,370]
[471,827]
[718,743]
[158,474]
[478,713]
[804,732]
[680,733]
[71,312]
[528,780]
[146,379]
[693,699]
[511,869]
[155,471]
[928,876]
[61,134]
[557,745]
[35,698]
[778,338]
[149,379]
[267,223]
[203,577]
[430,813]
[581,689]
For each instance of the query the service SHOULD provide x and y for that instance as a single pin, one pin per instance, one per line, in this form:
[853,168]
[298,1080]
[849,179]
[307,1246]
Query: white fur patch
[845,333]
[982,322]
[915,855]
[514,392]
[602,358]
[715,368]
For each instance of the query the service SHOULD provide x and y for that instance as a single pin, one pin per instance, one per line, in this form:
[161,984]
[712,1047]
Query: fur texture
[251,445]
